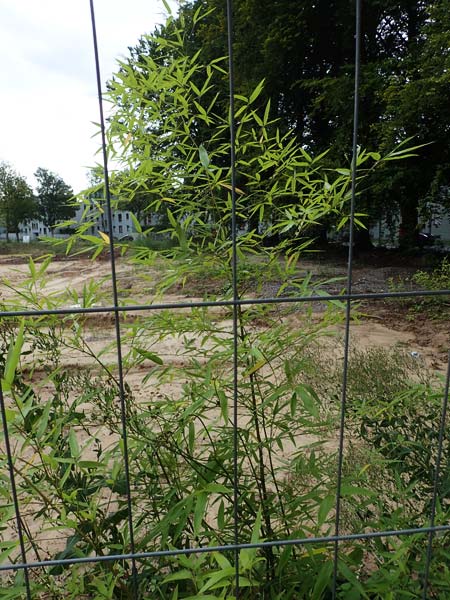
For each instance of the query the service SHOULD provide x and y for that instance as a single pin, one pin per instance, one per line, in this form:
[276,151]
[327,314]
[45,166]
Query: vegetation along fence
[214,430]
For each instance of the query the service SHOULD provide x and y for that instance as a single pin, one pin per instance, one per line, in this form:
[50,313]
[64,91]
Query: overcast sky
[47,84]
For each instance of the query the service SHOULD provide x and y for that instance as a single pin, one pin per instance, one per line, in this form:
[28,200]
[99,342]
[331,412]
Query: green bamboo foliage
[169,134]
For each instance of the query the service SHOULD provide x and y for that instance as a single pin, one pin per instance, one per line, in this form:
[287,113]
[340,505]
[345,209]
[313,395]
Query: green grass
[36,248]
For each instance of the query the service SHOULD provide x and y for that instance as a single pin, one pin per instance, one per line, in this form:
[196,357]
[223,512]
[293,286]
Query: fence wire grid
[134,557]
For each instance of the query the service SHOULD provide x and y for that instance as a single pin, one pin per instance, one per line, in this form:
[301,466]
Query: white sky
[48,96]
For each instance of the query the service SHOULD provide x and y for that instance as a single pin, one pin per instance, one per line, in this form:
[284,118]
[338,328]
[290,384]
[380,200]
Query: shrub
[437,279]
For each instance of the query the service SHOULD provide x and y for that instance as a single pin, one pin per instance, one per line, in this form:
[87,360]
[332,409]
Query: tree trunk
[321,236]
[407,235]
[363,242]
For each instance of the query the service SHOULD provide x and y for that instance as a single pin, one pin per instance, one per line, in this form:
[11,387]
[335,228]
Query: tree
[17,203]
[169,133]
[415,100]
[53,198]
[174,149]
[305,53]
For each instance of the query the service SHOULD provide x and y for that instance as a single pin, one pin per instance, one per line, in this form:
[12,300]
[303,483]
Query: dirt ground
[381,322]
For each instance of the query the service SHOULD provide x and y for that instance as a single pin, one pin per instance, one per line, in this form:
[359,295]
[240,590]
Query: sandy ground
[379,326]
[380,323]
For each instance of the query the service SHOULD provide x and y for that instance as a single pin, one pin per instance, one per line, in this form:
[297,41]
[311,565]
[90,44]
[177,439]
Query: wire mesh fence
[240,481]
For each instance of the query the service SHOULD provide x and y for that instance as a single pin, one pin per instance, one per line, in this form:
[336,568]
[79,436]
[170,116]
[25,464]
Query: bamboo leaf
[167,7]
[178,576]
[256,92]
[256,367]
[223,562]
[229,187]
[136,223]
[309,399]
[172,219]
[217,577]
[43,421]
[324,509]
[204,158]
[150,356]
[257,528]
[104,237]
[199,511]
[191,434]
[221,516]
[12,359]
[266,113]
[73,444]
[223,401]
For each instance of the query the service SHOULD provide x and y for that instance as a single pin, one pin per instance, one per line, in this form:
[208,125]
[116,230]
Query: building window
[120,228]
[119,216]
[127,216]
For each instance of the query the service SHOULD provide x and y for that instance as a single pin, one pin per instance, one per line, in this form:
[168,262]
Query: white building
[122,225]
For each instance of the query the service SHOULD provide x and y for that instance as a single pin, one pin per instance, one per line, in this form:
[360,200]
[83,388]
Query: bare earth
[380,323]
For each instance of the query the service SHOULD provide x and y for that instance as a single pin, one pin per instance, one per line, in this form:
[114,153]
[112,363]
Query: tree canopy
[305,53]
[17,203]
[169,133]
[53,198]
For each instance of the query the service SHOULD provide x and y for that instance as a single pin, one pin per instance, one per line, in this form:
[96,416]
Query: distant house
[33,229]
[437,225]
[122,225]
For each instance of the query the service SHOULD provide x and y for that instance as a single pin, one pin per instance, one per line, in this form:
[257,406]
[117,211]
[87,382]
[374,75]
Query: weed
[434,307]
